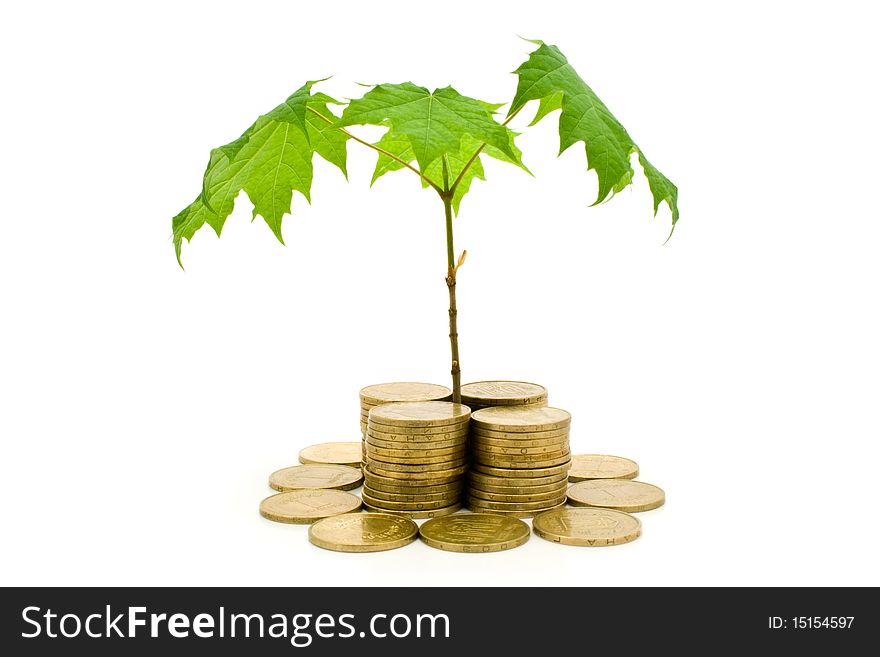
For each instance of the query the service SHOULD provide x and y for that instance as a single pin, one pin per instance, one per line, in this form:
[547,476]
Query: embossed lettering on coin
[474,532]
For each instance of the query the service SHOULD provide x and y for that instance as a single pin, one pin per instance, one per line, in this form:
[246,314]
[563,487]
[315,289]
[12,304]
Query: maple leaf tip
[177,249]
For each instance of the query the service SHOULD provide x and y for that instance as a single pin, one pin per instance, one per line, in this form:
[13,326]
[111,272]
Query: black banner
[276,621]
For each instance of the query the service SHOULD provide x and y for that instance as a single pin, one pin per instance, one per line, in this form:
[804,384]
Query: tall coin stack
[519,460]
[385,393]
[483,394]
[416,458]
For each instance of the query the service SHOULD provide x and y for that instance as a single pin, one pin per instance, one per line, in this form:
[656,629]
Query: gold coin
[601,466]
[521,419]
[449,495]
[404,437]
[421,414]
[307,506]
[510,447]
[486,456]
[416,434]
[587,527]
[424,493]
[519,437]
[482,480]
[512,487]
[517,506]
[518,498]
[430,432]
[474,532]
[381,467]
[499,393]
[476,406]
[458,457]
[415,452]
[518,463]
[363,532]
[480,446]
[338,453]
[428,513]
[529,473]
[297,477]
[402,486]
[620,494]
[383,393]
[389,505]
[420,478]
[420,445]
[416,445]
[511,513]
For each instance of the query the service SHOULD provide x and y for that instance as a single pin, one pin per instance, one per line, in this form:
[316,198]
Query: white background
[143,407]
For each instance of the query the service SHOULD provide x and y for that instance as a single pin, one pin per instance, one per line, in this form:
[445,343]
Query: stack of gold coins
[519,460]
[416,458]
[483,394]
[386,393]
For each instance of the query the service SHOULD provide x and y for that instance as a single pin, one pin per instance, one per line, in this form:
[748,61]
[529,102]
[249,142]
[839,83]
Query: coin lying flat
[420,414]
[479,446]
[394,507]
[527,473]
[500,393]
[427,476]
[383,393]
[477,439]
[448,496]
[518,436]
[519,462]
[520,419]
[553,496]
[516,506]
[337,453]
[406,467]
[474,532]
[587,527]
[620,494]
[363,532]
[419,455]
[306,506]
[407,435]
[511,513]
[341,477]
[414,449]
[392,485]
[428,513]
[482,480]
[512,487]
[601,466]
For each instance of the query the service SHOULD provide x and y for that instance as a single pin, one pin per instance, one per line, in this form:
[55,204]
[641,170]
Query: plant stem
[451,271]
[436,187]
[453,309]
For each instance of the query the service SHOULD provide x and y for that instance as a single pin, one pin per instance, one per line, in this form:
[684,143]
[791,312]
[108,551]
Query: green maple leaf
[547,76]
[269,161]
[432,124]
[401,146]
